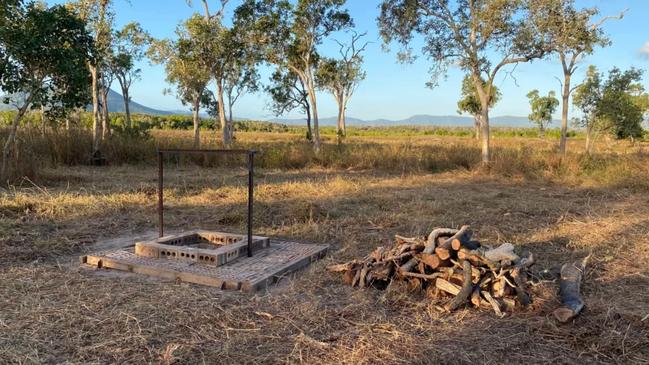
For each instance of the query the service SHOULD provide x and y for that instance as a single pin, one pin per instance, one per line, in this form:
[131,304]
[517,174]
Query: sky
[393,90]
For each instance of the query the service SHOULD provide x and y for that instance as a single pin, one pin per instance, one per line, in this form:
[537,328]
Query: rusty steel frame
[251,165]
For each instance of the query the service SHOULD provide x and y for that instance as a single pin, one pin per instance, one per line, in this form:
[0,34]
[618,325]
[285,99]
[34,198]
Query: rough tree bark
[105,119]
[96,117]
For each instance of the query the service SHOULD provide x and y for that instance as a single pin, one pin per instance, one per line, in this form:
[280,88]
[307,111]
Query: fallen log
[569,290]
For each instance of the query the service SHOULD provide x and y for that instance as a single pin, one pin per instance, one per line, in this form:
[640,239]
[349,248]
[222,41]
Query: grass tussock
[616,164]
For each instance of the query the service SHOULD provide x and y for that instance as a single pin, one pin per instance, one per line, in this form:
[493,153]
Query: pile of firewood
[448,264]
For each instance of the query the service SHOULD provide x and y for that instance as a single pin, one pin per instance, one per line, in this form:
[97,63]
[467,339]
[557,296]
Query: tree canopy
[542,108]
[479,36]
[615,105]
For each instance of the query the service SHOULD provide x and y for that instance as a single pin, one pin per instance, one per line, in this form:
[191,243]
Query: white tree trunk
[476,126]
[590,139]
[565,99]
[340,124]
[484,123]
[197,122]
[225,127]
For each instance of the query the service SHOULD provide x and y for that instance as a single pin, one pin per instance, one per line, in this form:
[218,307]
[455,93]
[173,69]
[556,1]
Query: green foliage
[287,92]
[44,55]
[569,30]
[542,108]
[616,105]
[129,44]
[185,62]
[470,102]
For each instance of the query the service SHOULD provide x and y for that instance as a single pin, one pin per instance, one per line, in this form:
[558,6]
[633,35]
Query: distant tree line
[75,53]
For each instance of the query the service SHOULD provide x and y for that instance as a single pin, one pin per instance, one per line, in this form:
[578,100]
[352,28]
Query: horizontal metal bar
[195,151]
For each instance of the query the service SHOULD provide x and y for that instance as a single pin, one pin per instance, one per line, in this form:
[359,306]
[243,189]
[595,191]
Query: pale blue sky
[393,90]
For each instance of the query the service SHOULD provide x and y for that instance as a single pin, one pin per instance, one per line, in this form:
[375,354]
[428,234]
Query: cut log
[447,286]
[494,303]
[467,288]
[504,252]
[431,243]
[569,291]
[443,251]
[458,244]
[431,260]
[498,288]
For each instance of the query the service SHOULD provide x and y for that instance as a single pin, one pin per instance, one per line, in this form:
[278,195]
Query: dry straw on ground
[51,312]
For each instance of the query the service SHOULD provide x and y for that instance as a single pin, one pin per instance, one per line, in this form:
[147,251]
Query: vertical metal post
[251,155]
[160,201]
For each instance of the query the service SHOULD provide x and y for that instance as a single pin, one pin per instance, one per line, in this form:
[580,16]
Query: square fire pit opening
[204,247]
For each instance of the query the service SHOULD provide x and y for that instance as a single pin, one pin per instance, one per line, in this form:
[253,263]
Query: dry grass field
[51,311]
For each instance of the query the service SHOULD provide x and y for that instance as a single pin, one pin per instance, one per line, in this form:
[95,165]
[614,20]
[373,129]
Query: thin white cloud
[644,51]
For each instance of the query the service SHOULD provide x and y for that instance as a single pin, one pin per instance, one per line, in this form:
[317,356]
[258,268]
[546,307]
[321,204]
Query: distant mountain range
[421,120]
[116,104]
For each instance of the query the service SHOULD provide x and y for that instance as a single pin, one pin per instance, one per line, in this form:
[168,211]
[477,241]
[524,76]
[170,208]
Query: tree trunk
[565,99]
[127,109]
[314,107]
[96,122]
[340,126]
[225,127]
[197,122]
[590,139]
[43,119]
[105,117]
[11,139]
[476,125]
[309,132]
[484,124]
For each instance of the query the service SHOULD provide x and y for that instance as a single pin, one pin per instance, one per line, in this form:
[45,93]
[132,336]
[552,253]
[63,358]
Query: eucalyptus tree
[43,58]
[573,34]
[542,109]
[615,105]
[470,102]
[98,16]
[291,33]
[287,93]
[186,67]
[227,51]
[481,37]
[241,77]
[129,46]
[342,76]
